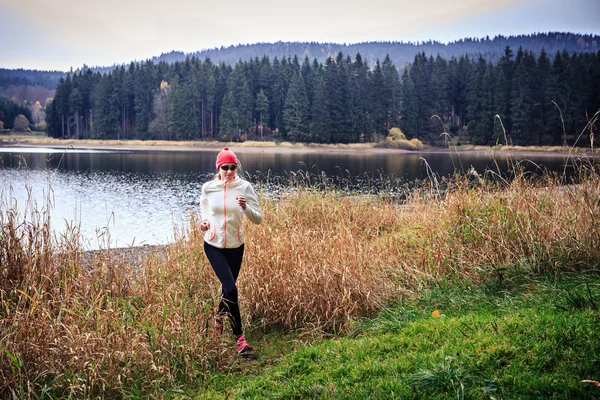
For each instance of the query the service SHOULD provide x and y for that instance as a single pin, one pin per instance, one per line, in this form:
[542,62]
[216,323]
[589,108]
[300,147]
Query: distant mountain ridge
[400,53]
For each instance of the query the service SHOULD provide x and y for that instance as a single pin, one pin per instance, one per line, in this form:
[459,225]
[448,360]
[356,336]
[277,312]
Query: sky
[65,34]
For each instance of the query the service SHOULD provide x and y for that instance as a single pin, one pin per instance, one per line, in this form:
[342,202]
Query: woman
[224,202]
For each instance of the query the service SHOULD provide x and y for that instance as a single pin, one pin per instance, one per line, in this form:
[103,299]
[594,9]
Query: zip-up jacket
[218,205]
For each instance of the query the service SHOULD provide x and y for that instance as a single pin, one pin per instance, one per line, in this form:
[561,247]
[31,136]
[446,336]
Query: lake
[124,198]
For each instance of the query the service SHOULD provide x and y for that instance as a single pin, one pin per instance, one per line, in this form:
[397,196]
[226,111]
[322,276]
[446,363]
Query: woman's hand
[204,225]
[241,200]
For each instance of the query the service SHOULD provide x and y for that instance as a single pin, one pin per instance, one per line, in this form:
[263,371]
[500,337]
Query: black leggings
[226,263]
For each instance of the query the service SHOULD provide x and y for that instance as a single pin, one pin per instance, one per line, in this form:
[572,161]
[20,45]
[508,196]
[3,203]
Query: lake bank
[98,331]
[278,148]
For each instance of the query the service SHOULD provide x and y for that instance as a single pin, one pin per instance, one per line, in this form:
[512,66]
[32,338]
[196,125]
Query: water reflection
[138,197]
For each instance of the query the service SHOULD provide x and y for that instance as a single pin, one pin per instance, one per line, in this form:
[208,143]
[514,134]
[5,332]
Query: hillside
[400,53]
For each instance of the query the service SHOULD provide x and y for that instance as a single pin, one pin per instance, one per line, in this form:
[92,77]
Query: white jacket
[218,206]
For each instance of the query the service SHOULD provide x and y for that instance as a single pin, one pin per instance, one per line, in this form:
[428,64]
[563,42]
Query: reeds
[103,326]
[82,327]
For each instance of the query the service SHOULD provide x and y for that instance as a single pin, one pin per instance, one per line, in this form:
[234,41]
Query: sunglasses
[228,167]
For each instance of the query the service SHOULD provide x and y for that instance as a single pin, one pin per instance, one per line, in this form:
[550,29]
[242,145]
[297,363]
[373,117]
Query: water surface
[123,198]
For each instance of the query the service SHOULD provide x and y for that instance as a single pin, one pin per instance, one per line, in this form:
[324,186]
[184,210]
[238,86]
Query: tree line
[539,100]
[10,110]
[401,53]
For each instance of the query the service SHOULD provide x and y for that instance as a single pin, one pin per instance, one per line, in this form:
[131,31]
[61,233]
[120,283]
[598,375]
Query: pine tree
[409,106]
[558,93]
[295,113]
[106,107]
[75,105]
[378,108]
[521,104]
[390,93]
[459,73]
[145,87]
[341,102]
[481,103]
[441,99]
[360,99]
[321,119]
[540,104]
[262,109]
[63,91]
[308,75]
[52,120]
[228,117]
[237,106]
[503,87]
[159,126]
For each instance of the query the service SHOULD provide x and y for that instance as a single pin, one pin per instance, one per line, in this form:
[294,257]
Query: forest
[521,99]
[401,53]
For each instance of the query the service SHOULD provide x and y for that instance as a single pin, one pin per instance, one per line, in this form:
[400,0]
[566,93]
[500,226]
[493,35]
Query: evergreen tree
[321,119]
[9,110]
[378,109]
[145,87]
[360,99]
[409,106]
[521,106]
[237,106]
[178,126]
[159,126]
[390,93]
[504,86]
[262,109]
[295,113]
[481,103]
[278,94]
[228,118]
[441,99]
[558,92]
[340,102]
[75,105]
[61,98]
[541,105]
[106,107]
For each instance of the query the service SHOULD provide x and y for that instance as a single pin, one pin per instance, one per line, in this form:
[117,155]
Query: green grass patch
[530,339]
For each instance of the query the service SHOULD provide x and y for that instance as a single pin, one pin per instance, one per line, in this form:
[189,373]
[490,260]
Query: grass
[525,341]
[39,138]
[42,139]
[98,326]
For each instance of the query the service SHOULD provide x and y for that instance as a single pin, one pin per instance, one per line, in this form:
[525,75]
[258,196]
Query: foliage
[41,126]
[520,100]
[397,140]
[99,325]
[21,123]
[9,110]
[401,53]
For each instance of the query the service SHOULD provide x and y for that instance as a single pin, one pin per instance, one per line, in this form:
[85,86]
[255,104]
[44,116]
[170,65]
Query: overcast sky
[60,34]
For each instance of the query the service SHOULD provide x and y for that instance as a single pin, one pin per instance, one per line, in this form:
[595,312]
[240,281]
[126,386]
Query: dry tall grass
[83,327]
[319,259]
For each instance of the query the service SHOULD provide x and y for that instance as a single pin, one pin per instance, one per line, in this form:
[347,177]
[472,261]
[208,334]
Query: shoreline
[273,148]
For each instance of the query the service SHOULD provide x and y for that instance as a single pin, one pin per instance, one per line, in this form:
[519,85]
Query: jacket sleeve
[204,205]
[252,210]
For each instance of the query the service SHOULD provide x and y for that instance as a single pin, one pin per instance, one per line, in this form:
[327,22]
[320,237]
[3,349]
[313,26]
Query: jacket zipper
[225,213]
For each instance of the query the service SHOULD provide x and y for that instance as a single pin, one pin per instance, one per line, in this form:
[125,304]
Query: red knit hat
[226,156]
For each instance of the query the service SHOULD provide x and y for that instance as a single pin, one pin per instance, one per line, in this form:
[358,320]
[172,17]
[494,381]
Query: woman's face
[228,171]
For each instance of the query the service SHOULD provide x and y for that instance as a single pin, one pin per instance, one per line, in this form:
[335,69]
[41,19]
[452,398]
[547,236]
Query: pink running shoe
[243,347]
